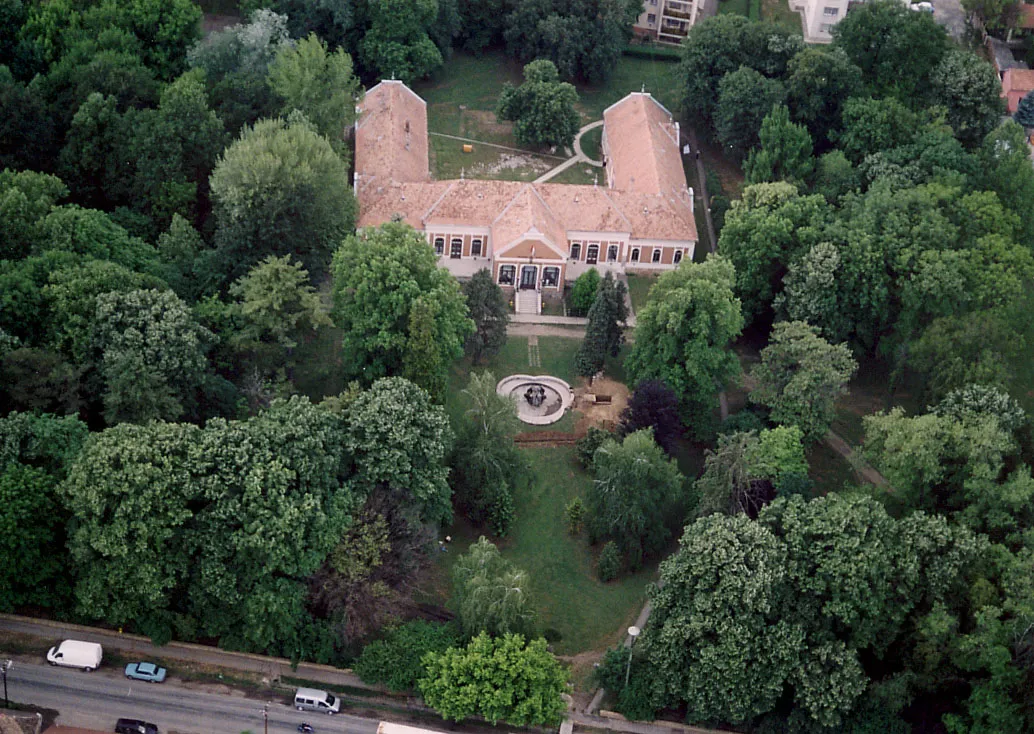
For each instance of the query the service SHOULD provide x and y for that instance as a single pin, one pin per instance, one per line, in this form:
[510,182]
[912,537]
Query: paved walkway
[579,155]
[691,138]
[532,318]
[862,467]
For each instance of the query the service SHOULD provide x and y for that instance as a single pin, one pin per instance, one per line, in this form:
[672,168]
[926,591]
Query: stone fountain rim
[506,385]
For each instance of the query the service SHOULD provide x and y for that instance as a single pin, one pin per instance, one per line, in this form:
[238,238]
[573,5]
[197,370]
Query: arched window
[475,247]
[456,248]
[439,246]
[656,255]
[576,251]
[592,254]
[635,254]
[678,256]
[612,253]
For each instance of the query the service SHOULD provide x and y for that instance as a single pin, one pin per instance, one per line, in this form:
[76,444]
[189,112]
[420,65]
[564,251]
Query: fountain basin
[552,395]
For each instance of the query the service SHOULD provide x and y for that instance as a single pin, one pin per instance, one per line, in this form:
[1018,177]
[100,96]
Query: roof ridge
[434,206]
[511,202]
[617,209]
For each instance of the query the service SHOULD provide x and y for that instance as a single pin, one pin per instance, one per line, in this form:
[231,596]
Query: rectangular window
[831,12]
[475,248]
[506,274]
[825,27]
[656,255]
[439,246]
[576,251]
[456,248]
[592,254]
[651,18]
[612,253]
[551,277]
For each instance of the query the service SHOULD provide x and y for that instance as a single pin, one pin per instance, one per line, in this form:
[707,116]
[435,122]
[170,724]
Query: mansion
[532,236]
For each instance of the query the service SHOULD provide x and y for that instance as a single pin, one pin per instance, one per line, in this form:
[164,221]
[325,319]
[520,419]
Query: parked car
[134,726]
[146,672]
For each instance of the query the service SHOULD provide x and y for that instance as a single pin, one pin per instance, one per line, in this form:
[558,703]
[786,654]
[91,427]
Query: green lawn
[579,612]
[638,289]
[592,143]
[778,12]
[737,7]
[631,75]
[580,173]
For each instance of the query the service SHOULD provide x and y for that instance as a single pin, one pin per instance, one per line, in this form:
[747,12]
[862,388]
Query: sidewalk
[578,157]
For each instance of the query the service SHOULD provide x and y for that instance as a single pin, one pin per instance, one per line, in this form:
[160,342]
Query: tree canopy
[542,108]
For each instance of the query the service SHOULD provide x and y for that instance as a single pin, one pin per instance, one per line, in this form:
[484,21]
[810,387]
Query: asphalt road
[95,700]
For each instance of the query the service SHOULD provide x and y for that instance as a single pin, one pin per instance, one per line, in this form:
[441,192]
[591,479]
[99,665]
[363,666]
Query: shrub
[396,660]
[609,564]
[574,515]
[587,445]
[583,292]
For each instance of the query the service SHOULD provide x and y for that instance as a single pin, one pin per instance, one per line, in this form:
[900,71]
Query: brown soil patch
[486,122]
[603,415]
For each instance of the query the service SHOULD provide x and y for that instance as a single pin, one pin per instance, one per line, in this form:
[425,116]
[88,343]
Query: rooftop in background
[1016,84]
[391,131]
[643,142]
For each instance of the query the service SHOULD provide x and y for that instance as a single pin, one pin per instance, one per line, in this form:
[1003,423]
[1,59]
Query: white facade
[818,18]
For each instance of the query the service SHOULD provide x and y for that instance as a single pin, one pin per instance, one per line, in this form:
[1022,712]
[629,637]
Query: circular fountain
[540,399]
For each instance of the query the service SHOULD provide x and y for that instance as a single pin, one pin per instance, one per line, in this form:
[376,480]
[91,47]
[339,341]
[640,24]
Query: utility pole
[5,665]
[265,718]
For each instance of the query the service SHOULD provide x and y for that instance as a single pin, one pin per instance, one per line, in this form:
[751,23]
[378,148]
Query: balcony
[676,14]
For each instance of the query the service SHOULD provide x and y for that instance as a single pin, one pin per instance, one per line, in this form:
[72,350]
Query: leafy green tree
[963,468]
[800,377]
[491,595]
[896,49]
[488,309]
[487,464]
[994,15]
[25,198]
[280,189]
[974,401]
[1024,114]
[320,85]
[818,82]
[810,292]
[763,233]
[872,125]
[574,516]
[636,490]
[42,441]
[152,355]
[583,38]
[604,333]
[720,45]
[39,380]
[423,364]
[583,292]
[379,274]
[72,294]
[785,152]
[130,491]
[30,532]
[835,176]
[236,61]
[968,87]
[26,126]
[498,679]
[277,304]
[653,405]
[165,28]
[542,108]
[683,335]
[742,473]
[397,44]
[1003,156]
[338,22]
[482,23]
[178,248]
[96,158]
[399,439]
[745,97]
[175,149]
[94,234]
[397,660]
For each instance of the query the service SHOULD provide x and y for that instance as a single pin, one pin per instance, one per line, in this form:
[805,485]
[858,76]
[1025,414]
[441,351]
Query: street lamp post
[265,718]
[633,632]
[5,665]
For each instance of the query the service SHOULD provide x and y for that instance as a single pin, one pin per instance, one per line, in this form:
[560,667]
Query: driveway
[949,13]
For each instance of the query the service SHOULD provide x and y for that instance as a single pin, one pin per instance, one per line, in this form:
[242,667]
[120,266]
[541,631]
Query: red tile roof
[1016,84]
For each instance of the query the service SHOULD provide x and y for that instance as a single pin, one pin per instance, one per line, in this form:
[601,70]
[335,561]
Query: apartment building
[818,18]
[667,21]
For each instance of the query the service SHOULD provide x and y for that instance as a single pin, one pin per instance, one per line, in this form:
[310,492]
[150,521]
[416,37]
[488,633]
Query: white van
[312,699]
[76,654]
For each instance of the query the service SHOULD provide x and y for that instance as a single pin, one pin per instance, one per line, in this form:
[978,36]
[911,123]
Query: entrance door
[592,254]
[528,276]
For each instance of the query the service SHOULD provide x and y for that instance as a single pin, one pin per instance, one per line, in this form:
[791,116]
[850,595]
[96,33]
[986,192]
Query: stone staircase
[528,301]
